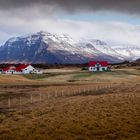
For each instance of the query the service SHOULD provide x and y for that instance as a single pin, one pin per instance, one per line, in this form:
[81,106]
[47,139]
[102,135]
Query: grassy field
[112,113]
[83,76]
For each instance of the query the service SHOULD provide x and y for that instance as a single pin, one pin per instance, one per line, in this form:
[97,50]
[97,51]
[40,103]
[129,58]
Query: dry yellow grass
[111,114]
[104,117]
[13,80]
[62,70]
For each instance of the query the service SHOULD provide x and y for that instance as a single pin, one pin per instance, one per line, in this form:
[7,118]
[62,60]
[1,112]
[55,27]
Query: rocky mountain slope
[44,47]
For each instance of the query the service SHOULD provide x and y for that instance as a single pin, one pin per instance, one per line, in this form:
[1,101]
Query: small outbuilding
[98,66]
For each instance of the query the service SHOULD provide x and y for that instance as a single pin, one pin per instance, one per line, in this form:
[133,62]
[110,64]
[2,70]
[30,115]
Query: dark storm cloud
[127,6]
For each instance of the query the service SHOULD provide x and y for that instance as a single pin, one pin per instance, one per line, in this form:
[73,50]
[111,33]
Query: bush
[85,68]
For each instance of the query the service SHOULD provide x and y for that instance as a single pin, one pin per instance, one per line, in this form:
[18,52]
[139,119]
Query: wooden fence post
[85,90]
[65,93]
[73,92]
[48,95]
[62,93]
[89,89]
[31,98]
[55,93]
[20,101]
[40,97]
[9,102]
[20,104]
[79,90]
[95,88]
[68,93]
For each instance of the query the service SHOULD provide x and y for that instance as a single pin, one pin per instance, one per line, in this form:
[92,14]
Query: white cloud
[114,31]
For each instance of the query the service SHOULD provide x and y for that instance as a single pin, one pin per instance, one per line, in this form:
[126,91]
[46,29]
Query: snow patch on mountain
[63,48]
[131,52]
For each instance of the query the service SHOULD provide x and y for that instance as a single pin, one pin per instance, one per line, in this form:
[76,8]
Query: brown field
[70,104]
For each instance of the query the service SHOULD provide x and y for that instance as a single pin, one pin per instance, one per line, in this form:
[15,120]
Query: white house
[20,69]
[98,66]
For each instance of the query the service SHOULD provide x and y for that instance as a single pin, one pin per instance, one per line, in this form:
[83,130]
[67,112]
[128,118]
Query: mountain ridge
[44,47]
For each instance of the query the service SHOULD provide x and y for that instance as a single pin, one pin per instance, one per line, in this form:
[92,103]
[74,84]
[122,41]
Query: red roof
[5,69]
[102,63]
[21,67]
[18,68]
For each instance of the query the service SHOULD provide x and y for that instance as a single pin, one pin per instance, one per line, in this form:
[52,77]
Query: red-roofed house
[20,69]
[98,66]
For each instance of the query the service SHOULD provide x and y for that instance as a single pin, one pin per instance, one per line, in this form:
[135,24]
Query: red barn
[98,66]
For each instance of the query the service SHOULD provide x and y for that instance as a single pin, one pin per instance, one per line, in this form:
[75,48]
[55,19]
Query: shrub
[85,68]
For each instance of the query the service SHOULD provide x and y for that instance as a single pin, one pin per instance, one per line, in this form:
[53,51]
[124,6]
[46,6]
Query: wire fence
[15,101]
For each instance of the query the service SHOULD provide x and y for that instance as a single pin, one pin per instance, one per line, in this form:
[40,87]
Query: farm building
[98,66]
[20,69]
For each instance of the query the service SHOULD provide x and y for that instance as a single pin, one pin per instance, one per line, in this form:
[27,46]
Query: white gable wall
[28,69]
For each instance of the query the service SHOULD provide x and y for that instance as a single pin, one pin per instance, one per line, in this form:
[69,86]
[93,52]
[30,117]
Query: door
[98,68]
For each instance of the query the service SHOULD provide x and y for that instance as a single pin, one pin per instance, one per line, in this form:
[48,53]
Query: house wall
[92,69]
[18,72]
[9,72]
[103,68]
[28,69]
[95,68]
[36,71]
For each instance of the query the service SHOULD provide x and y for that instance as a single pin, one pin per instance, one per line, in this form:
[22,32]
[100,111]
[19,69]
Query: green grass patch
[124,73]
[82,75]
[85,68]
[39,76]
[89,74]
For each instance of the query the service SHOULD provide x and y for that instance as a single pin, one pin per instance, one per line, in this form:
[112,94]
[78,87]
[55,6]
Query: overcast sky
[111,20]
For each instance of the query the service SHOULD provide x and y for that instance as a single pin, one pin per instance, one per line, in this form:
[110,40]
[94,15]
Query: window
[103,69]
[98,65]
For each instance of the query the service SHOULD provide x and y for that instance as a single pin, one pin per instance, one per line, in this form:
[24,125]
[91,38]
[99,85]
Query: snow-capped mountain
[130,52]
[103,47]
[44,47]
[138,60]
